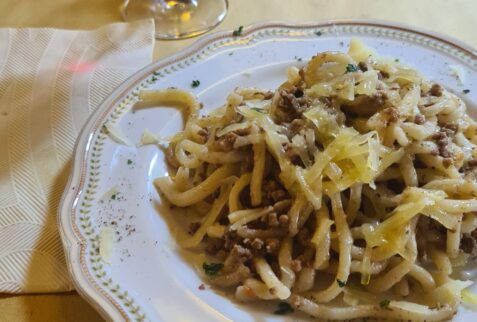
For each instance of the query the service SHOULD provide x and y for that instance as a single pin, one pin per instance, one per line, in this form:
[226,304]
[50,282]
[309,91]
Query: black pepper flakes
[237,32]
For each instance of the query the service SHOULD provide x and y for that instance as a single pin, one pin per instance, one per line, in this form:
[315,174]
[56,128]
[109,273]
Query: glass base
[177,19]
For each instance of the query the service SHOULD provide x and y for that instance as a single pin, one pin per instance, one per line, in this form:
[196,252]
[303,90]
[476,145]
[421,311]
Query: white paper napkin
[50,81]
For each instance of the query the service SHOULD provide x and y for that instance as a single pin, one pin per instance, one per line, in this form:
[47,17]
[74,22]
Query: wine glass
[177,19]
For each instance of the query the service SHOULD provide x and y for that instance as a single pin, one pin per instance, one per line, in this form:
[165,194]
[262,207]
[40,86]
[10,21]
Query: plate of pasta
[325,171]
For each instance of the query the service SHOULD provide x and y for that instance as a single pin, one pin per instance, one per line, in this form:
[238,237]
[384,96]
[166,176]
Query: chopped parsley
[195,83]
[351,68]
[318,33]
[129,162]
[113,197]
[341,283]
[237,32]
[212,269]
[256,109]
[283,308]
[384,304]
[397,60]
[466,91]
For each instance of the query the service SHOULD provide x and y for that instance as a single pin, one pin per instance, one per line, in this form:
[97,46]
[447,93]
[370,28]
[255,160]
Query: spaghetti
[348,192]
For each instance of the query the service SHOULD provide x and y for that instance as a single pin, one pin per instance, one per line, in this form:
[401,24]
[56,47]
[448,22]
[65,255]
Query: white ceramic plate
[147,277]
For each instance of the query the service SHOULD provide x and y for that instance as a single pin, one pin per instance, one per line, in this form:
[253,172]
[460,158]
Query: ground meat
[239,254]
[283,221]
[303,237]
[257,244]
[470,173]
[449,129]
[392,114]
[382,74]
[296,126]
[442,142]
[379,97]
[419,119]
[446,154]
[278,195]
[467,244]
[272,192]
[447,162]
[363,66]
[469,168]
[272,220]
[231,238]
[204,134]
[291,104]
[226,142]
[436,90]
[439,136]
[296,265]
[271,245]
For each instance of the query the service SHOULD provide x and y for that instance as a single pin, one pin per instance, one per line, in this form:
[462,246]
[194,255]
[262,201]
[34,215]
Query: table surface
[454,18]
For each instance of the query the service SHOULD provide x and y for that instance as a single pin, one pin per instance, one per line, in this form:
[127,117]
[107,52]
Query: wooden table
[456,18]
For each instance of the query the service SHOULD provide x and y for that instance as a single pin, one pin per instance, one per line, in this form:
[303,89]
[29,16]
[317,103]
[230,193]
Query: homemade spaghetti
[348,192]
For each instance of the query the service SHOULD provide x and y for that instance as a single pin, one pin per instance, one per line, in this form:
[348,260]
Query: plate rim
[74,243]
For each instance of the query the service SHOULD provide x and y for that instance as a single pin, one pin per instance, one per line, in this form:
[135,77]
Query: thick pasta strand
[257,173]
[268,276]
[196,194]
[284,260]
[354,202]
[345,241]
[385,282]
[234,197]
[253,289]
[321,238]
[217,207]
[305,280]
[327,312]
[453,241]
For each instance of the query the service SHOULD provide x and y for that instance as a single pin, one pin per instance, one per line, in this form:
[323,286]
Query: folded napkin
[50,81]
